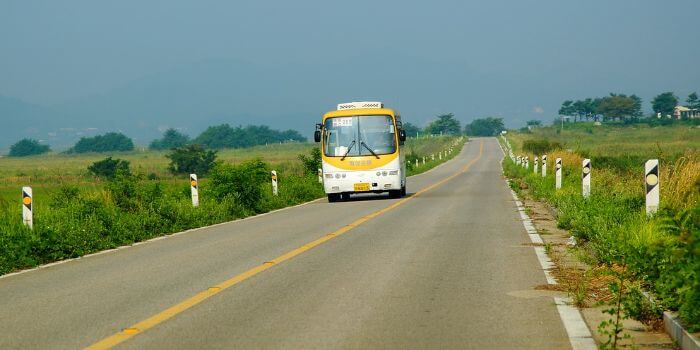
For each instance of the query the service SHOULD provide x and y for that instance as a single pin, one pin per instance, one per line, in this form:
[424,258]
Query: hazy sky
[527,56]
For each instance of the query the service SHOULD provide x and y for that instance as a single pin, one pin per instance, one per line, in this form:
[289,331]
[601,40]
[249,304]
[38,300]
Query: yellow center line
[180,307]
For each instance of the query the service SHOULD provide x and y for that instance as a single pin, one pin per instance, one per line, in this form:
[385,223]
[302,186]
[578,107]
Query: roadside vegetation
[659,254]
[84,203]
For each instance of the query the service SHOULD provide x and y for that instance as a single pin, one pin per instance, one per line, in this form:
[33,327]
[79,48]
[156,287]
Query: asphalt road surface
[449,267]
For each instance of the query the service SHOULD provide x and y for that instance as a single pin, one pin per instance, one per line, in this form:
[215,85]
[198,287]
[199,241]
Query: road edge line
[580,337]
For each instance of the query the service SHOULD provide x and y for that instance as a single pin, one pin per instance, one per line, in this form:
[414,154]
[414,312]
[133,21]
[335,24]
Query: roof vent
[359,105]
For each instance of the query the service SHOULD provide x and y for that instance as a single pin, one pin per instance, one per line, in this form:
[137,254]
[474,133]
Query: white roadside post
[557,173]
[537,163]
[432,156]
[586,178]
[320,175]
[194,189]
[423,160]
[544,165]
[517,160]
[440,155]
[274,182]
[27,207]
[416,162]
[651,179]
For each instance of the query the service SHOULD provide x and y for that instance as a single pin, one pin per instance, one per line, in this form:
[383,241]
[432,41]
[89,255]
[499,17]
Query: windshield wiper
[348,151]
[369,149]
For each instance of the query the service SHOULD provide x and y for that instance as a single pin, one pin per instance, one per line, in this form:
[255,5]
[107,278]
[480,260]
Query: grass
[76,213]
[660,253]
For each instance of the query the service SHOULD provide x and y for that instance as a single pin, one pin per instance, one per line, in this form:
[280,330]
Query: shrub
[109,168]
[28,147]
[192,159]
[312,162]
[243,183]
[540,146]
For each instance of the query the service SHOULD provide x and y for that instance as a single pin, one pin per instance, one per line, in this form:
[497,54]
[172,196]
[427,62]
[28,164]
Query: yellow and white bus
[362,150]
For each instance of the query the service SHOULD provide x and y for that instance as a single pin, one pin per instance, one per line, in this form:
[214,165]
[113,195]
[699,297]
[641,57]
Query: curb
[680,335]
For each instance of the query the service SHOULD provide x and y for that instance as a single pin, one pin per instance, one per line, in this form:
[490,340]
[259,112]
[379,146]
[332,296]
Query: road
[449,267]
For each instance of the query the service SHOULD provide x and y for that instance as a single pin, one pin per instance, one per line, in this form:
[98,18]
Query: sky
[515,59]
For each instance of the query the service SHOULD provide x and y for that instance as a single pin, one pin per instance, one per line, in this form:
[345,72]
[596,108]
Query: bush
[109,142]
[540,146]
[28,147]
[192,159]
[243,183]
[312,162]
[109,168]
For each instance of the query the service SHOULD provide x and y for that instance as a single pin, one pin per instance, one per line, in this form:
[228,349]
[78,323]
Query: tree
[445,124]
[637,106]
[566,109]
[28,147]
[664,103]
[411,130]
[692,101]
[109,142]
[109,168]
[192,159]
[171,139]
[484,127]
[534,122]
[618,106]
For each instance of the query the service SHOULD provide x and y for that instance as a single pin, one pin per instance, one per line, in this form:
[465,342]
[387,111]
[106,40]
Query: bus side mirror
[317,135]
[402,135]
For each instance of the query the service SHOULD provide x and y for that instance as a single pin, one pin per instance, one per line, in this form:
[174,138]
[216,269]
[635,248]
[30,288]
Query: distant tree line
[109,142]
[446,124]
[214,137]
[225,136]
[622,107]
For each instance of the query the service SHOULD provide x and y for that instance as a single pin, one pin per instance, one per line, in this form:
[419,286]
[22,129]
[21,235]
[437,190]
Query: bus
[362,151]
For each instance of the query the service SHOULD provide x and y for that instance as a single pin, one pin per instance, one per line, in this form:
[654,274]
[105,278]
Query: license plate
[361,187]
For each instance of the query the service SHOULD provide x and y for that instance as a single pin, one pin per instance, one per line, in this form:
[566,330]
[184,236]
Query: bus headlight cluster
[337,176]
[384,173]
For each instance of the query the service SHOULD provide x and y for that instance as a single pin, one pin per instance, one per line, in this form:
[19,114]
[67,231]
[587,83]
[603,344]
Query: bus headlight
[394,172]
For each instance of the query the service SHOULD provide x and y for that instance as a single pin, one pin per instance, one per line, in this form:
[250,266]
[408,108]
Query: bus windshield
[343,136]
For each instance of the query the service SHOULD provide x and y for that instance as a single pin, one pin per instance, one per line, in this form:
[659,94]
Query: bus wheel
[395,194]
[403,191]
[333,197]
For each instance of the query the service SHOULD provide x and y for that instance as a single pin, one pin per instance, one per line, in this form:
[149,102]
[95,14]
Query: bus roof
[353,112]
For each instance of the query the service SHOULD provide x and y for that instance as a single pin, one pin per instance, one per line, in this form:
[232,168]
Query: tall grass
[662,252]
[78,214]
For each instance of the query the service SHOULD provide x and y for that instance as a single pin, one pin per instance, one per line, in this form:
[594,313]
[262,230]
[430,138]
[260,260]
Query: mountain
[282,96]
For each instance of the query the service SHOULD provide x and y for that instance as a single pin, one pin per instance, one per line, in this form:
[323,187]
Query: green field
[658,253]
[76,213]
[617,140]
